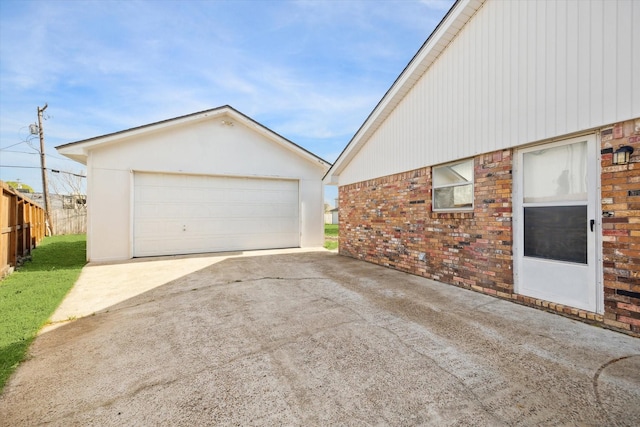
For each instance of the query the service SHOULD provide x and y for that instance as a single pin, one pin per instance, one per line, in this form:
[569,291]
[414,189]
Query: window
[74,202]
[453,186]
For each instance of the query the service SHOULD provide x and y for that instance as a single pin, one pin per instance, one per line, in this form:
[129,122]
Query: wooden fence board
[22,227]
[69,221]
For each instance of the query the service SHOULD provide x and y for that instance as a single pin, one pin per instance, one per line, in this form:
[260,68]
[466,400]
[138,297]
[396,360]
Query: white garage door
[184,214]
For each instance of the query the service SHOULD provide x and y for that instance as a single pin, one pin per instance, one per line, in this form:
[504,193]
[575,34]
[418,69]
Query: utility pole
[43,163]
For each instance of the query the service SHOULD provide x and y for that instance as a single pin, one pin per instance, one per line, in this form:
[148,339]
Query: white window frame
[435,187]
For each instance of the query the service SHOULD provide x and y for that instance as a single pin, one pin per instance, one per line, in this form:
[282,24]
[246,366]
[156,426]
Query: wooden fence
[22,227]
[69,221]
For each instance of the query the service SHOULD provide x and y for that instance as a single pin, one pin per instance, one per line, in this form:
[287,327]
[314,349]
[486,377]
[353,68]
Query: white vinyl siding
[518,72]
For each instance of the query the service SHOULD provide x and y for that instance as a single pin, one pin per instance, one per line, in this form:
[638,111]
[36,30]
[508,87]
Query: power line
[21,152]
[49,169]
[28,142]
[50,155]
[12,145]
[62,158]
[68,173]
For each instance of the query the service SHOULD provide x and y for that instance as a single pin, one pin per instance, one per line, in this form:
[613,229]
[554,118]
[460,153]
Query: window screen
[556,233]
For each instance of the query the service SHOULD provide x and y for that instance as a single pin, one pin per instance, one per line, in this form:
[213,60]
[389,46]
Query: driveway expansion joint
[596,377]
[342,342]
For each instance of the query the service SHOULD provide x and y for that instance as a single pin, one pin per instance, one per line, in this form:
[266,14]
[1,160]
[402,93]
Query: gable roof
[455,19]
[79,150]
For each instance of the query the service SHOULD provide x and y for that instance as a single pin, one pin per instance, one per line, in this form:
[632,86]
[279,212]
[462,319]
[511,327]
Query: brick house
[494,160]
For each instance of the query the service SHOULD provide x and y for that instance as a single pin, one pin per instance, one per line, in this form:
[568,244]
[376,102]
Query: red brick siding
[388,221]
[621,229]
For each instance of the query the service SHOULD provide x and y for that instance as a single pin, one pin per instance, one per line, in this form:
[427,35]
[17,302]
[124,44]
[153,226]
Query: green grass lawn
[331,229]
[331,236]
[30,295]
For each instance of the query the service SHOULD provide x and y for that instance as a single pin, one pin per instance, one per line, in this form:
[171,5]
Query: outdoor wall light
[622,155]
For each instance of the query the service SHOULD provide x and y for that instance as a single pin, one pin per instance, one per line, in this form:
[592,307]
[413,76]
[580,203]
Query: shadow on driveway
[319,339]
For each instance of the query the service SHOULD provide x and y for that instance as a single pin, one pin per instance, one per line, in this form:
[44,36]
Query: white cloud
[310,70]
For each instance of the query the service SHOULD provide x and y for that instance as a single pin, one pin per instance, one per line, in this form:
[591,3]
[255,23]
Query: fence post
[21,227]
[13,232]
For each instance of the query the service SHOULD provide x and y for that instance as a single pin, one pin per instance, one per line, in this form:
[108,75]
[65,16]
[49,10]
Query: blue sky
[311,71]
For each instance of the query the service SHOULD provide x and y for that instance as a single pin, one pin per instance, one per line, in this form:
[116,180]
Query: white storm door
[555,217]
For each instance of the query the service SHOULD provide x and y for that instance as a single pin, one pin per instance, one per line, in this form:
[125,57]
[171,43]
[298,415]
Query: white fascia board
[446,31]
[79,151]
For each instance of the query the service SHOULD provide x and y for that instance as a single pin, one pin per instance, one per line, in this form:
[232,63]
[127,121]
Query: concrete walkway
[312,339]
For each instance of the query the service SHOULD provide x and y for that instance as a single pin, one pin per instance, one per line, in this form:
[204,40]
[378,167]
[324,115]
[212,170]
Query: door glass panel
[556,174]
[556,232]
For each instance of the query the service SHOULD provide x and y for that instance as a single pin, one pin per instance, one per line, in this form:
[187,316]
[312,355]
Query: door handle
[592,223]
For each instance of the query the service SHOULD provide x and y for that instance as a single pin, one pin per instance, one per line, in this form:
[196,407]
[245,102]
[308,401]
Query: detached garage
[212,181]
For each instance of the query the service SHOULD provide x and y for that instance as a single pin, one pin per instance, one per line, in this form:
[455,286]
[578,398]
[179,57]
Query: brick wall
[389,221]
[621,228]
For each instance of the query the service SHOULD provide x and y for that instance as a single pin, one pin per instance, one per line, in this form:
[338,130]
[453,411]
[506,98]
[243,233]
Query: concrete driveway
[314,339]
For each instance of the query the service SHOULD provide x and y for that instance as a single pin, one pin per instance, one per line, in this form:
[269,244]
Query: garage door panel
[147,209]
[180,214]
[169,210]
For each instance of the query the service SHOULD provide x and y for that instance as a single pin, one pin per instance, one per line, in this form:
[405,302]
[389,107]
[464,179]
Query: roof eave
[284,142]
[444,33]
[87,144]
[79,150]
